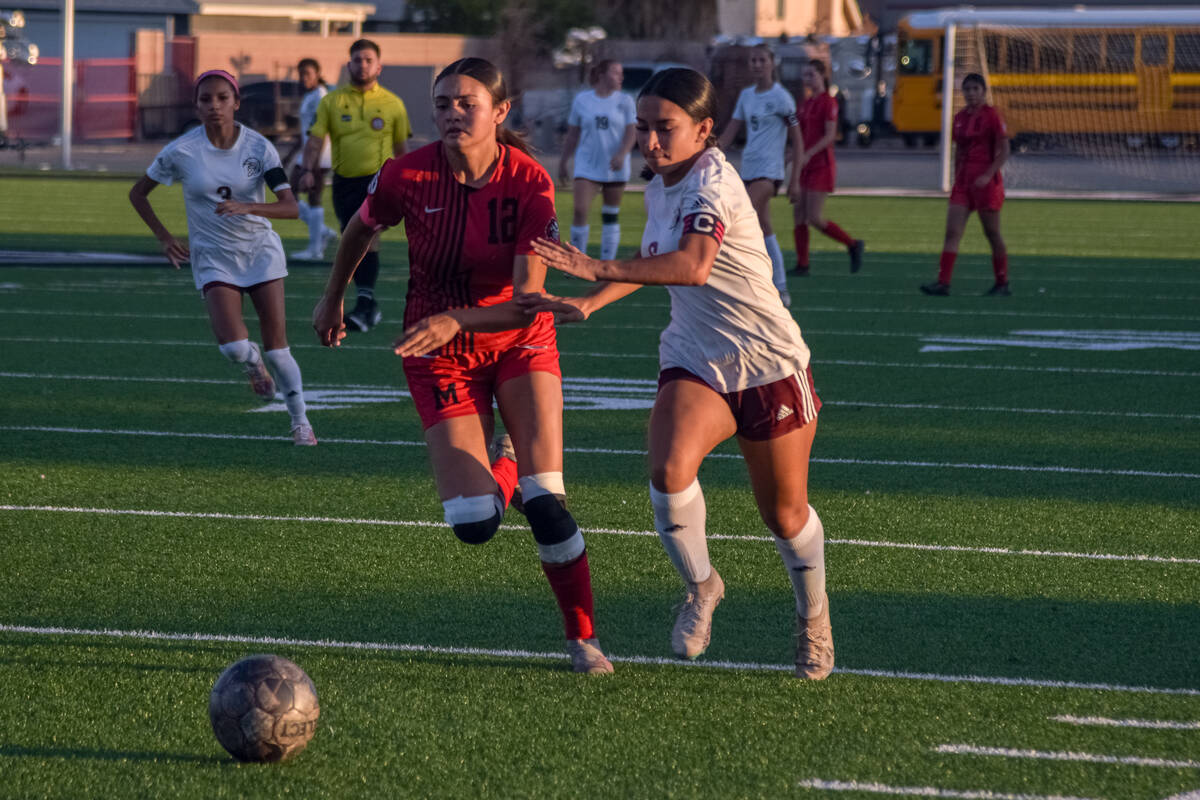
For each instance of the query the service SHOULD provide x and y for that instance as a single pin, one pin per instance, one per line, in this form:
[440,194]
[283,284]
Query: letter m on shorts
[444,396]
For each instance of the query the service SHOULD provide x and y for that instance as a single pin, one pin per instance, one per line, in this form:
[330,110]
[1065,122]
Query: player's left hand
[565,257]
[793,192]
[564,309]
[982,181]
[228,208]
[427,335]
[617,163]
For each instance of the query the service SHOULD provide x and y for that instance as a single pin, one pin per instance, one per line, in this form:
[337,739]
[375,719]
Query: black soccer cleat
[366,315]
[937,288]
[801,271]
[999,290]
[856,252]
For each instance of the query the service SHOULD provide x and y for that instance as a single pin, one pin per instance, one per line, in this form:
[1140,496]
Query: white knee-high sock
[610,232]
[679,519]
[287,378]
[243,351]
[804,557]
[579,236]
[315,219]
[778,274]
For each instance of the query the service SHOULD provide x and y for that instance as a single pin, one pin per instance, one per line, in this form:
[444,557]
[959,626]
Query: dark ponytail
[490,76]
[818,66]
[688,89]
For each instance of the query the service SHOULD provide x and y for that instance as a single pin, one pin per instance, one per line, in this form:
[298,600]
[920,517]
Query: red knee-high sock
[832,230]
[1000,264]
[572,585]
[946,266]
[504,470]
[800,234]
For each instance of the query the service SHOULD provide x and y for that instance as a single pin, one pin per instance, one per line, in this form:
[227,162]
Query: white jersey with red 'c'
[733,332]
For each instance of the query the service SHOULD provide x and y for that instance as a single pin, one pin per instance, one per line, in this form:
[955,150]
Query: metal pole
[948,48]
[68,80]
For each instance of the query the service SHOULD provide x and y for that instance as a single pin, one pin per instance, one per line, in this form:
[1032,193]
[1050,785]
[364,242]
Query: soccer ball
[263,708]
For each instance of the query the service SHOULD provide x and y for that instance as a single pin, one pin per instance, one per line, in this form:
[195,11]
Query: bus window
[1020,55]
[1086,53]
[1052,56]
[1154,50]
[1119,56]
[1187,52]
[916,57]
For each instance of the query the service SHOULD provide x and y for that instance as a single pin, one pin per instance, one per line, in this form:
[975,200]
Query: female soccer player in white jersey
[223,167]
[768,112]
[732,361]
[599,138]
[312,213]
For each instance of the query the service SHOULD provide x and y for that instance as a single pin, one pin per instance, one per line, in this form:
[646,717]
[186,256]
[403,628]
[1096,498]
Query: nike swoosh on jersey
[429,210]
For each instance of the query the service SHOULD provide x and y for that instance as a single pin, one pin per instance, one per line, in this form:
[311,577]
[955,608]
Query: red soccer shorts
[818,178]
[461,385]
[763,412]
[965,193]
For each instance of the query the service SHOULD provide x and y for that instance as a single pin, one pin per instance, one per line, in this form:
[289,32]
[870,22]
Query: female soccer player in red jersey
[818,126]
[472,204]
[732,360]
[980,150]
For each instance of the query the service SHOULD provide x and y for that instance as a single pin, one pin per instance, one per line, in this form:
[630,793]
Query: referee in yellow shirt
[367,125]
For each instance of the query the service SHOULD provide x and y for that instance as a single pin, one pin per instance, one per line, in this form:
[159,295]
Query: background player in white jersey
[600,137]
[312,213]
[768,112]
[223,167]
[732,361]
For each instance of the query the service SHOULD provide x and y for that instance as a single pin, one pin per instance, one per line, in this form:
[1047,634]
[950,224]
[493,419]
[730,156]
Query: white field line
[624,356]
[864,462]
[1061,755]
[525,655]
[1194,795]
[638,383]
[801,309]
[923,791]
[943,548]
[1154,724]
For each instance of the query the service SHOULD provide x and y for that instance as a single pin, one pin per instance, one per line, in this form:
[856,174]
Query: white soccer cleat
[814,645]
[303,436]
[785,298]
[693,625]
[588,658]
[260,380]
[306,255]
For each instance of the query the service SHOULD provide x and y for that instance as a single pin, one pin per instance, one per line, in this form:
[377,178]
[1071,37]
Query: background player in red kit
[818,169]
[472,203]
[980,150]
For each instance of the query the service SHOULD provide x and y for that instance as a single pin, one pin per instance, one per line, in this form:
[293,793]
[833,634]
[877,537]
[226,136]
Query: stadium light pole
[68,80]
[948,48]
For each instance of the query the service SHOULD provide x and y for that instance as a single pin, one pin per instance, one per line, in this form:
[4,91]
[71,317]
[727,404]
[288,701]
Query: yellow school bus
[1134,74]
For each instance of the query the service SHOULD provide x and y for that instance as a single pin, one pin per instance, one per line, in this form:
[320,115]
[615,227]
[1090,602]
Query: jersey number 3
[502,215]
[224,192]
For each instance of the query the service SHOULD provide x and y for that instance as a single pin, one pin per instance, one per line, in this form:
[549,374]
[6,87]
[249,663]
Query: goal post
[1118,88]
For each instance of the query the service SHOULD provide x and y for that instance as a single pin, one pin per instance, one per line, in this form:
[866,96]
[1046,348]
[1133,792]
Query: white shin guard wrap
[804,557]
[239,352]
[476,519]
[679,518]
[579,236]
[778,268]
[558,537]
[287,377]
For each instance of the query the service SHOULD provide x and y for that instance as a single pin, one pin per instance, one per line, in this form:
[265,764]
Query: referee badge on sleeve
[377,123]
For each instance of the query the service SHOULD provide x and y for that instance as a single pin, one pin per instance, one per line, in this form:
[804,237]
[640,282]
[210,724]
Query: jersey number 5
[502,215]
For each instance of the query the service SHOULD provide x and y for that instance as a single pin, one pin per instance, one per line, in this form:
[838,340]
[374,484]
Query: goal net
[1094,103]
